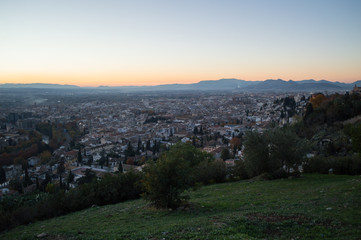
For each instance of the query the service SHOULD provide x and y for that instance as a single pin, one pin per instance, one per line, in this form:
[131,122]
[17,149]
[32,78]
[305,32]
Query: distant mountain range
[269,85]
[36,85]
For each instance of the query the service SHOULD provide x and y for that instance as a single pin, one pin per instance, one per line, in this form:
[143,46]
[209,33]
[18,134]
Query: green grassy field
[312,207]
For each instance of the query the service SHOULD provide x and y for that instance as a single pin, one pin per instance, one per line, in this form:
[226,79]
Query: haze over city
[116,43]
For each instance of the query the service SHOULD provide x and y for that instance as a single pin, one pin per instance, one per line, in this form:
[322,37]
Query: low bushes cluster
[350,165]
[209,172]
[17,210]
[239,171]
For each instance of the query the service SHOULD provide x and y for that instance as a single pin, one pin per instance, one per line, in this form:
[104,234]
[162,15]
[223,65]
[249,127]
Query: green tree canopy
[278,149]
[256,153]
[89,176]
[166,180]
[225,154]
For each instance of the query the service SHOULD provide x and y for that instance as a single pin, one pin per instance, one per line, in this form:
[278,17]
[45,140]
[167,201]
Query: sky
[116,43]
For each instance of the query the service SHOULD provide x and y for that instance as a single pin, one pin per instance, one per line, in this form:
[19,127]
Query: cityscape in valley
[157,119]
[109,131]
[106,132]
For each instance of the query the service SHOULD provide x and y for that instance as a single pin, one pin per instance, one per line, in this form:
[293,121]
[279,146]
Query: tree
[102,161]
[2,175]
[148,146]
[276,150]
[21,161]
[45,182]
[27,181]
[309,110]
[256,154]
[224,140]
[225,154]
[45,157]
[70,178]
[90,160]
[88,177]
[165,180]
[16,184]
[139,146]
[235,144]
[130,151]
[171,133]
[211,171]
[286,148]
[239,170]
[37,183]
[354,131]
[80,158]
[120,167]
[289,104]
[130,161]
[107,161]
[155,147]
[60,170]
[195,130]
[317,99]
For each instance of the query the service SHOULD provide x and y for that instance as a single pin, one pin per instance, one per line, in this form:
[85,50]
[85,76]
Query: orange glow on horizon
[112,80]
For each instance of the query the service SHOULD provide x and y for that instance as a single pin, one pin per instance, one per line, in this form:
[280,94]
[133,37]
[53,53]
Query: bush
[276,152]
[350,165]
[16,210]
[208,172]
[256,154]
[111,189]
[239,171]
[175,171]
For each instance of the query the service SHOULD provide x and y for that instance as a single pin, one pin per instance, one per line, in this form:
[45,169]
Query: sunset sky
[113,42]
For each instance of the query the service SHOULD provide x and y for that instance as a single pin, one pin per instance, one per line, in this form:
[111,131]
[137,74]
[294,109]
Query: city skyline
[117,43]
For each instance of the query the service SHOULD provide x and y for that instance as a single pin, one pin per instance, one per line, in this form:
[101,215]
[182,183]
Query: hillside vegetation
[310,207]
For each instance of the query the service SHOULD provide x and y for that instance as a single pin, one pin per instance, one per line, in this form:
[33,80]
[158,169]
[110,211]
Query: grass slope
[312,207]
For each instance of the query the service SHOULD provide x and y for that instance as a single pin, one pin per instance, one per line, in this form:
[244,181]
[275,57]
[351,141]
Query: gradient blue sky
[90,43]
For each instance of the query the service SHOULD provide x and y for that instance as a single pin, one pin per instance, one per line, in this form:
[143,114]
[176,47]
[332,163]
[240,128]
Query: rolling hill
[311,207]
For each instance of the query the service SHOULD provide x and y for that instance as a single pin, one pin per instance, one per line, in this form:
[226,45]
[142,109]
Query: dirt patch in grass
[277,218]
[217,222]
[55,237]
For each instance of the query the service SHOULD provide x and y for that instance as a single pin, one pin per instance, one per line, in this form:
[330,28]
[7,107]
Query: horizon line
[105,85]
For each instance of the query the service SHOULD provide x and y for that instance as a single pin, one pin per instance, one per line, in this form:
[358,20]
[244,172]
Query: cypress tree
[2,175]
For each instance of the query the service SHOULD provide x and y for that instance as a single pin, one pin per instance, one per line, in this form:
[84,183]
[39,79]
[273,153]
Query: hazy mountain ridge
[231,84]
[36,85]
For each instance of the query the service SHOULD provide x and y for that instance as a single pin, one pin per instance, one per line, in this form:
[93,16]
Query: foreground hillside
[312,207]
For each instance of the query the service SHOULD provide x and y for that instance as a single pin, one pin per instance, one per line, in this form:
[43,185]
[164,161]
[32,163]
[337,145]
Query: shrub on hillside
[111,189]
[239,171]
[208,172]
[174,172]
[350,165]
[276,151]
[16,210]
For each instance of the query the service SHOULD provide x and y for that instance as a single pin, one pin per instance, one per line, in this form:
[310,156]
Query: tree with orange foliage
[21,161]
[130,161]
[235,142]
[317,99]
